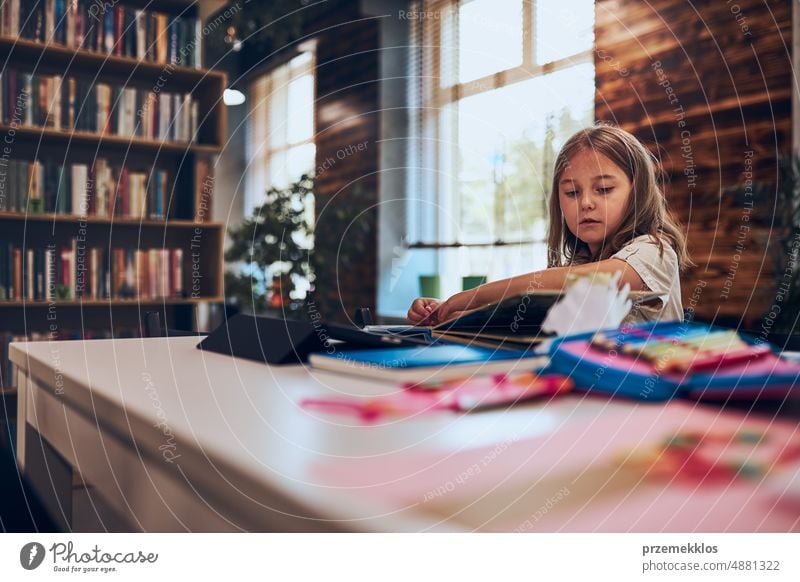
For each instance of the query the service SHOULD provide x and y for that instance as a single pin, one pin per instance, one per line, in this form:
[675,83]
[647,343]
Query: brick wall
[347,156]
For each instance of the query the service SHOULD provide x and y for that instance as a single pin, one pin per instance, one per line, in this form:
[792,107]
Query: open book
[512,323]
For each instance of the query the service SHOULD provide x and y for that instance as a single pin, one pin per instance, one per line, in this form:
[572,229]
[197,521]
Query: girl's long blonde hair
[647,213]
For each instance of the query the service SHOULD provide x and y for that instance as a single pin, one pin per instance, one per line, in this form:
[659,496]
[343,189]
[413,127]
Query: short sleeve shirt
[660,274]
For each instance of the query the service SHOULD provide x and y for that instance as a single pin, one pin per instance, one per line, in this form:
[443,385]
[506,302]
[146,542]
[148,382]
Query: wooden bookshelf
[200,239]
[58,59]
[115,220]
[109,302]
[204,239]
[115,143]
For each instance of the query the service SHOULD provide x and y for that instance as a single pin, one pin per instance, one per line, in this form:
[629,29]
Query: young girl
[607,215]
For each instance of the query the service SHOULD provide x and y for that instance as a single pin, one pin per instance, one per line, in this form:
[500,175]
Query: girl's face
[594,194]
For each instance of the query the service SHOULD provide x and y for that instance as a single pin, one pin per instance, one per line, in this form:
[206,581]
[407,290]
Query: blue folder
[418,363]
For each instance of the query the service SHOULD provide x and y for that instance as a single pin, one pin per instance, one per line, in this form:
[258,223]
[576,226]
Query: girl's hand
[453,307]
[424,311]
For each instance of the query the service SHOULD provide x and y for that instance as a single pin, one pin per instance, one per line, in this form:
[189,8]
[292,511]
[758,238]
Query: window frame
[439,100]
[258,146]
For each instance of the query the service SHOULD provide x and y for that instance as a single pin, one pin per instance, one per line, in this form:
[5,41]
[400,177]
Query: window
[280,141]
[496,86]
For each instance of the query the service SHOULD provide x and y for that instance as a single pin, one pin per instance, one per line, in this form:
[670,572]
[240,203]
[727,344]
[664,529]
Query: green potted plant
[270,250]
[280,245]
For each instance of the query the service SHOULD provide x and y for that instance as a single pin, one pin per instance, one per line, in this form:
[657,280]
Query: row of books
[68,272]
[107,27]
[99,189]
[65,103]
[6,372]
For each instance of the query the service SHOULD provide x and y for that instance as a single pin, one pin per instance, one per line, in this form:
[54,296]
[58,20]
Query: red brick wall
[347,157]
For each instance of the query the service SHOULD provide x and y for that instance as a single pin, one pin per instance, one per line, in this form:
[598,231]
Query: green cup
[430,286]
[472,281]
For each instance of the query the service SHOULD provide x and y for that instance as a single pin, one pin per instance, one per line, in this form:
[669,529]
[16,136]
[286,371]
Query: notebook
[426,363]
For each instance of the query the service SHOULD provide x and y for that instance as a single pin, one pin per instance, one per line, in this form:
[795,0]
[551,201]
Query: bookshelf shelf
[113,302]
[60,59]
[115,221]
[118,144]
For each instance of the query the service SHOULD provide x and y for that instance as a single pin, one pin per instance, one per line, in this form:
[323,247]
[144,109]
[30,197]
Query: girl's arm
[553,278]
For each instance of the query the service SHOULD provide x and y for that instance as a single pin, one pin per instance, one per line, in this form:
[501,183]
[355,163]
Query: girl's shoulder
[649,244]
[650,239]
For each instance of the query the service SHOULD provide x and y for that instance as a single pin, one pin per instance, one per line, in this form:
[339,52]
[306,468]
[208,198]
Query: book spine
[130,272]
[13,185]
[27,85]
[78,255]
[14,18]
[91,191]
[101,187]
[53,186]
[152,259]
[3,274]
[34,187]
[161,192]
[17,292]
[174,26]
[39,274]
[161,38]
[91,279]
[108,30]
[49,20]
[50,273]
[119,26]
[79,41]
[198,49]
[177,270]
[141,35]
[69,25]
[164,273]
[20,201]
[119,273]
[141,273]
[79,190]
[124,193]
[28,276]
[64,191]
[11,275]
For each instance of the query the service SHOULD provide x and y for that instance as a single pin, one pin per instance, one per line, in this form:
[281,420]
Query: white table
[169,438]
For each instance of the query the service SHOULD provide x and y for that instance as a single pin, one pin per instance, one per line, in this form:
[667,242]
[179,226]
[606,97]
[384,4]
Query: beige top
[659,273]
